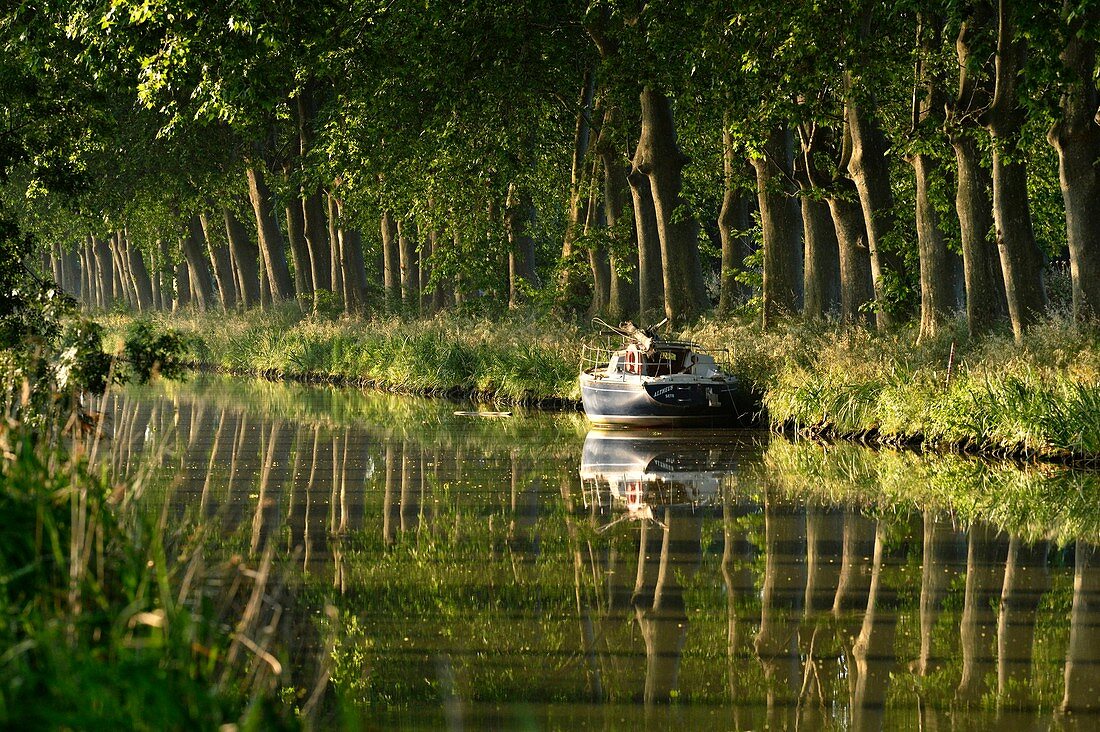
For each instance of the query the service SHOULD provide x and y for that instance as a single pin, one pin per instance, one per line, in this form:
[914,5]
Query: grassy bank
[514,363]
[952,392]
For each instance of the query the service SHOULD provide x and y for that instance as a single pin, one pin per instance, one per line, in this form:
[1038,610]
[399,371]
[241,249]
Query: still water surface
[445,571]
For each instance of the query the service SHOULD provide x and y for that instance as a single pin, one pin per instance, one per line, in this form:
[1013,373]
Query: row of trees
[867,159]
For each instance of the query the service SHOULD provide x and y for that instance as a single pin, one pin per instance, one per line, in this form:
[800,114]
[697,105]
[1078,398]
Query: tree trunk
[336,255]
[271,245]
[821,276]
[779,220]
[519,217]
[1021,260]
[936,293]
[165,275]
[194,246]
[87,272]
[222,264]
[1076,137]
[143,285]
[353,269]
[245,258]
[183,285]
[105,273]
[124,286]
[623,296]
[316,232]
[658,157]
[572,286]
[871,174]
[598,263]
[410,266]
[391,262]
[299,251]
[985,293]
[651,282]
[734,222]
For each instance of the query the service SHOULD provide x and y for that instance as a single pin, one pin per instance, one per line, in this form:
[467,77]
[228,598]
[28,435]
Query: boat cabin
[662,360]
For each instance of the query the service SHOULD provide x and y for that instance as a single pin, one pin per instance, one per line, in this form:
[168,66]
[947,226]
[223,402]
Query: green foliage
[149,353]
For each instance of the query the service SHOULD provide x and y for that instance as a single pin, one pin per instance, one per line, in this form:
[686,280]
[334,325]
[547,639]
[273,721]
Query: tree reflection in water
[440,569]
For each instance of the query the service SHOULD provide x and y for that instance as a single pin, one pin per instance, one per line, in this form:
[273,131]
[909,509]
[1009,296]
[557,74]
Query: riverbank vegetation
[1039,398]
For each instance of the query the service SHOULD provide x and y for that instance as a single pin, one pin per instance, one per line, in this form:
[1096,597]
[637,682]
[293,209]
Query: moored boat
[649,381]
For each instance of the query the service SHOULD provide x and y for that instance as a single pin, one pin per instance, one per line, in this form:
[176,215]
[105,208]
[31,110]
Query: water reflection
[518,573]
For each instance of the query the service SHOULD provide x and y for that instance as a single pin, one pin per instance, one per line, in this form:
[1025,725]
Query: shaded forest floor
[1039,399]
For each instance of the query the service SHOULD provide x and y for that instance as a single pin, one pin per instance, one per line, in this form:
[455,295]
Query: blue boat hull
[662,403]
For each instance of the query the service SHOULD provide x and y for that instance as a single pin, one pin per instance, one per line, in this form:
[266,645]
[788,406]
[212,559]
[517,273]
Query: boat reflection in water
[666,481]
[641,472]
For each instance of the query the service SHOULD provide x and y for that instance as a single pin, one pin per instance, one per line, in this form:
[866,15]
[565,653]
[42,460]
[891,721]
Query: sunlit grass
[1040,398]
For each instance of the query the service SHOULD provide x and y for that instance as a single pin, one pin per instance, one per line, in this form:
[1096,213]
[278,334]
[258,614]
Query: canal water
[402,564]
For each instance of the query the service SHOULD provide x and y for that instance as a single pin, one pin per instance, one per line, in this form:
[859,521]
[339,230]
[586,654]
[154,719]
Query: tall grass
[518,362]
[108,610]
[1040,398]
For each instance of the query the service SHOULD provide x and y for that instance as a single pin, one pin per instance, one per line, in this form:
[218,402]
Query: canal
[395,562]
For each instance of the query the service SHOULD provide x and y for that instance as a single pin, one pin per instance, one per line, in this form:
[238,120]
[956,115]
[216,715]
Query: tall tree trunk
[123,282]
[651,281]
[519,217]
[659,158]
[410,266]
[336,255]
[87,272]
[1076,137]
[316,231]
[598,263]
[985,291]
[353,269]
[1021,260]
[183,285]
[779,220]
[937,294]
[391,262]
[821,250]
[198,270]
[734,222]
[222,264]
[856,282]
[105,273]
[165,275]
[245,257]
[871,173]
[623,288]
[821,276]
[573,287]
[271,245]
[936,291]
[299,250]
[143,285]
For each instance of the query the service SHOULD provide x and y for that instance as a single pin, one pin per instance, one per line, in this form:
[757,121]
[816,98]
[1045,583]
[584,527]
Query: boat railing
[597,355]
